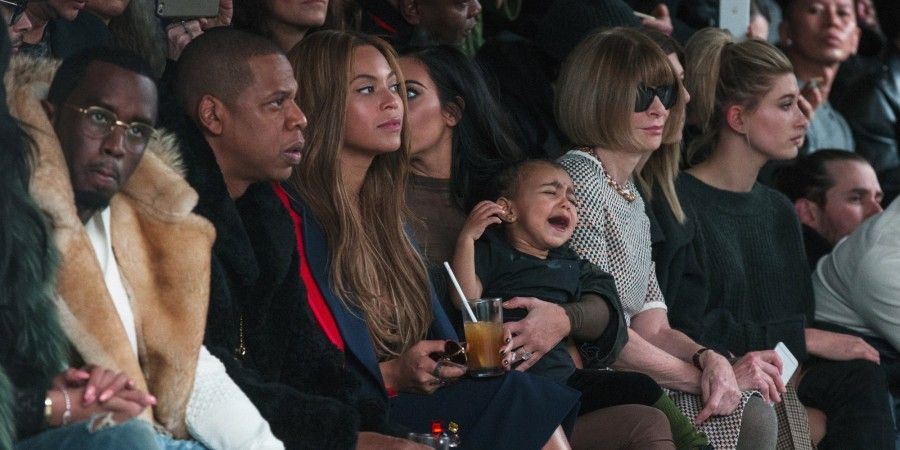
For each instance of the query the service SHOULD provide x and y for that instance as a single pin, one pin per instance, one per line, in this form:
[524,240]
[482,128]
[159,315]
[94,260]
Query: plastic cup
[484,338]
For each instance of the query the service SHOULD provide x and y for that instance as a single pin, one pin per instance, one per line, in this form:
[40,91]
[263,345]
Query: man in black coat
[243,131]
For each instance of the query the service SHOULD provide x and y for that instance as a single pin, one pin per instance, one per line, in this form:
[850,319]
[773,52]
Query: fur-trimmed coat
[161,247]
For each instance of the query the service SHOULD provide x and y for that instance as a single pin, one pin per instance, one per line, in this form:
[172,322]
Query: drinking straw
[460,292]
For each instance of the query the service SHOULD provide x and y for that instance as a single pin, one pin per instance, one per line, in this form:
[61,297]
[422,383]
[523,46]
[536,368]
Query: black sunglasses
[18,8]
[454,352]
[667,93]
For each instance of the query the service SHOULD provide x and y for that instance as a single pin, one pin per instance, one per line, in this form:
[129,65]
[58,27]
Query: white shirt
[219,414]
[857,284]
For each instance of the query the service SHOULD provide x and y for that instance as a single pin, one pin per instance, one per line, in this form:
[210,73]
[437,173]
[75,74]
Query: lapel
[353,328]
[268,227]
[440,323]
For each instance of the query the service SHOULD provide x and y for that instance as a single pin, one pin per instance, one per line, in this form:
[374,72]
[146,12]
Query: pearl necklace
[628,194]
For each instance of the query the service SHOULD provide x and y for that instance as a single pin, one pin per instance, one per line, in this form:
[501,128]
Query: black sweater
[735,275]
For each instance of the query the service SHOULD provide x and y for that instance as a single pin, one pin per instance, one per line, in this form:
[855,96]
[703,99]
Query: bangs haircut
[217,63]
[598,86]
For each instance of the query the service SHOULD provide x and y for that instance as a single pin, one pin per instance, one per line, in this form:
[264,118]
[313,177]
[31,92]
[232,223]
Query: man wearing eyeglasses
[134,274]
[17,22]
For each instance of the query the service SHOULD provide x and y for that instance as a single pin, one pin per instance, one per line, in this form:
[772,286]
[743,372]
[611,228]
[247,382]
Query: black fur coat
[291,372]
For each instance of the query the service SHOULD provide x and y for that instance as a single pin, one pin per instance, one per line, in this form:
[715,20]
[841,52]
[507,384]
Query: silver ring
[184,27]
[526,355]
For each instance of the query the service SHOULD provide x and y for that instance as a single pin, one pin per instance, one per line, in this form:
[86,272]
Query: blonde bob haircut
[720,73]
[598,85]
[374,265]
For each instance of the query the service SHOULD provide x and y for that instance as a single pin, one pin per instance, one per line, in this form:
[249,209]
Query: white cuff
[220,415]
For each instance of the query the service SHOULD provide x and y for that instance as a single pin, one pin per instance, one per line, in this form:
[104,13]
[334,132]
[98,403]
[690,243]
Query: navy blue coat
[515,411]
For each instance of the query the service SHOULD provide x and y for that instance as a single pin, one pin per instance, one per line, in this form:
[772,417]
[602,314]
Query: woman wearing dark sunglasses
[618,101]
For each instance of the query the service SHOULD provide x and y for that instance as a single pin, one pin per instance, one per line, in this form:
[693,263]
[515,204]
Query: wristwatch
[696,358]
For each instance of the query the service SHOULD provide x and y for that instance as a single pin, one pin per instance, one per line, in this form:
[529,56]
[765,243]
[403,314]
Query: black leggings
[605,388]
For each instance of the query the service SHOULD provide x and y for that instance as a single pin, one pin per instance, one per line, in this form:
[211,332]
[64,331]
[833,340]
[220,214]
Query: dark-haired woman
[459,143]
[287,22]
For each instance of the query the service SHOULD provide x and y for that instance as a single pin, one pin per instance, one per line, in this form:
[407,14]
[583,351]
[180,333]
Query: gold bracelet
[48,409]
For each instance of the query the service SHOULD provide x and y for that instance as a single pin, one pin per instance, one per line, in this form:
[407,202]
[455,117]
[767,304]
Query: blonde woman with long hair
[619,100]
[375,299]
[754,290]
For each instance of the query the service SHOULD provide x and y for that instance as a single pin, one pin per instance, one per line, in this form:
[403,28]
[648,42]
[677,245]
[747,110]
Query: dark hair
[809,177]
[27,262]
[74,68]
[217,63]
[889,20]
[138,29]
[506,183]
[483,142]
[666,43]
[252,16]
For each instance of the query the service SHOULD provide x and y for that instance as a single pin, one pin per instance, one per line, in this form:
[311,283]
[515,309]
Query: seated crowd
[241,231]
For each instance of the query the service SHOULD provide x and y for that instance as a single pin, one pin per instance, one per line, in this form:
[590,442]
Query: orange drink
[484,337]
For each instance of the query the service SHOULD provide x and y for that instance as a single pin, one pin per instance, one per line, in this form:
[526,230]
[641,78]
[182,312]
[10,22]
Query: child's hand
[483,214]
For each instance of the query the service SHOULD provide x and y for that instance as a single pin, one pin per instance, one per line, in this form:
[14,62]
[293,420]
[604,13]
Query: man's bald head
[216,63]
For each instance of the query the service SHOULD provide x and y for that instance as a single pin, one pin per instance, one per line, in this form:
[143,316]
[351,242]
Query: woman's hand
[839,347]
[760,371]
[545,326]
[659,20]
[223,19]
[811,96]
[718,387]
[179,35]
[414,370]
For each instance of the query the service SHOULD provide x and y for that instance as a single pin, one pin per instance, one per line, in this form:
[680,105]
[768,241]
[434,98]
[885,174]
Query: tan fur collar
[162,249]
